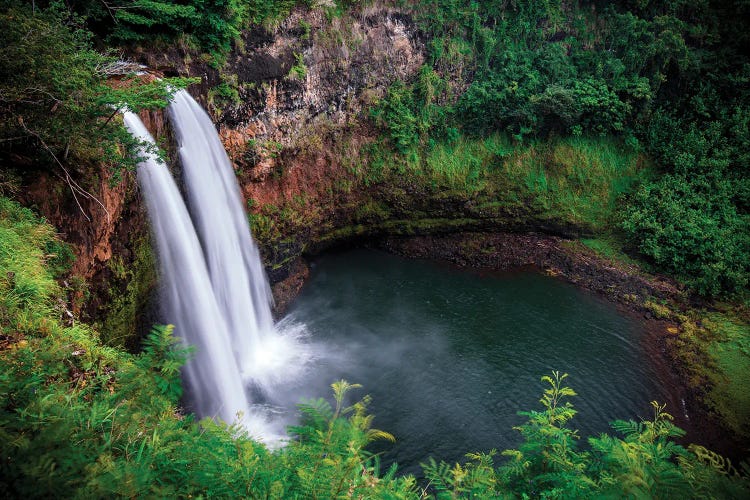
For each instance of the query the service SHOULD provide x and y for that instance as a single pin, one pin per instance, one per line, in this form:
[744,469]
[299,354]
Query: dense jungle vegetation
[79,419]
[630,118]
[666,78]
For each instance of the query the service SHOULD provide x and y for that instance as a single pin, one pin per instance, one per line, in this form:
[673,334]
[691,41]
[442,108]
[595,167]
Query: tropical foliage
[212,26]
[643,462]
[667,78]
[57,108]
[78,419]
[549,105]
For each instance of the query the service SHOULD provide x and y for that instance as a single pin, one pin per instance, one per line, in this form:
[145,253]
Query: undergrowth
[79,419]
[713,350]
[667,78]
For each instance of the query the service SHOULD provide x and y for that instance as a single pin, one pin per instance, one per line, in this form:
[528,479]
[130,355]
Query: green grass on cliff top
[730,394]
[573,179]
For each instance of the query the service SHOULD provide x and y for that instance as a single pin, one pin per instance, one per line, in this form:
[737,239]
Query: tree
[57,106]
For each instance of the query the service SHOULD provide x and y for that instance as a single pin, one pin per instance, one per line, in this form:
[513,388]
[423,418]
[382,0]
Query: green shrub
[694,221]
[57,108]
[668,78]
[395,115]
[645,462]
[691,228]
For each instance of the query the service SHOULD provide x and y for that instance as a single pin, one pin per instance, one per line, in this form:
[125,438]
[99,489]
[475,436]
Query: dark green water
[451,356]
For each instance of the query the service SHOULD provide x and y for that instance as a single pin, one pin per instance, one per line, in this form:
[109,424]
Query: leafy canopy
[57,106]
[667,78]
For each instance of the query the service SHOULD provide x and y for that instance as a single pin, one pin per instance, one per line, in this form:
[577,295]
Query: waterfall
[187,297]
[237,276]
[265,356]
[213,286]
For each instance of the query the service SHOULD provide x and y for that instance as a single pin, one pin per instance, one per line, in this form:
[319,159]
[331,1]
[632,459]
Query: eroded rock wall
[291,106]
[102,217]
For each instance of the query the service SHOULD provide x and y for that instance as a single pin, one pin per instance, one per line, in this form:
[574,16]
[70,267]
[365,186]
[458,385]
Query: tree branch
[72,184]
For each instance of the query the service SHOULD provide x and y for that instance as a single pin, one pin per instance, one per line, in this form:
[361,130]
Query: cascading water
[214,289]
[263,353]
[187,297]
[237,277]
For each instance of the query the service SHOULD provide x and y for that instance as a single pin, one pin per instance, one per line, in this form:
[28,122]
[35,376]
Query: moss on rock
[131,287]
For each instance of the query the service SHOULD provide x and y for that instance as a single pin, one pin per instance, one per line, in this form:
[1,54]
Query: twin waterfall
[213,286]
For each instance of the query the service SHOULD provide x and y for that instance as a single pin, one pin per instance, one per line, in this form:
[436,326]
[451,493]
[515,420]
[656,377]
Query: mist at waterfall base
[212,285]
[449,357]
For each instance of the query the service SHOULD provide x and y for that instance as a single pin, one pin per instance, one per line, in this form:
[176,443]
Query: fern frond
[627,427]
[340,388]
[439,474]
[377,434]
[719,463]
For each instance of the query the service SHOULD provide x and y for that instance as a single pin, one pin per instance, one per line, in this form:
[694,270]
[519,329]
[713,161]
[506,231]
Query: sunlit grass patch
[466,162]
[576,179]
[730,395]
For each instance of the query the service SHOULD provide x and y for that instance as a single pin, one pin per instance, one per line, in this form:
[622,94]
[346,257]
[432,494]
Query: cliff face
[302,95]
[291,119]
[291,106]
[91,226]
[113,276]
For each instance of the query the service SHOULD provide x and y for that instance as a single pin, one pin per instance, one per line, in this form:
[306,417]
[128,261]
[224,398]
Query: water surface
[449,356]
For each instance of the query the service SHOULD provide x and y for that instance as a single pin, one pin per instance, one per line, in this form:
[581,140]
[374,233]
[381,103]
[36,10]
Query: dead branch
[75,188]
[118,68]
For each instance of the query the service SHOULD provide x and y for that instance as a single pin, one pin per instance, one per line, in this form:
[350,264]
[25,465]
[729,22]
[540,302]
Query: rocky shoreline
[552,255]
[503,251]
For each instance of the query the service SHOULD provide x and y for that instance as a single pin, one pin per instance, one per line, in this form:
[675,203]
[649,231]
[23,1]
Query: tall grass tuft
[574,179]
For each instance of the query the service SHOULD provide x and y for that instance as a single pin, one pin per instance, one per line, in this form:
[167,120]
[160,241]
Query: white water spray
[214,289]
[266,356]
